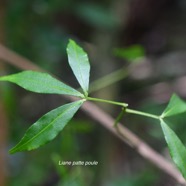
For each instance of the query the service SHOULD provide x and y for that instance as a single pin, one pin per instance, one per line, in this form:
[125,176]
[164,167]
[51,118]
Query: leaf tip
[70,42]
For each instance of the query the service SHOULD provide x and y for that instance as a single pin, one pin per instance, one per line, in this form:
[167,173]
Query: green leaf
[41,83]
[79,63]
[176,148]
[176,106]
[131,53]
[47,127]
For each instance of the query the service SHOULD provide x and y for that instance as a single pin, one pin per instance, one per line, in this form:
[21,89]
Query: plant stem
[107,101]
[119,117]
[105,120]
[131,111]
[108,79]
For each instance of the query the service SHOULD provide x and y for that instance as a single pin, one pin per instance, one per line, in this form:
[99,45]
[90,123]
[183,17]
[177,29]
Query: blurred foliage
[144,178]
[97,16]
[131,53]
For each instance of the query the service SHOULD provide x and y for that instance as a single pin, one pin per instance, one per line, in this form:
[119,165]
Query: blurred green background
[145,39]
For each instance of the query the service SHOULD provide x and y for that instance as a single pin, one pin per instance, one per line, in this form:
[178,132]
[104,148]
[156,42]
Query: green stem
[109,79]
[107,101]
[142,113]
[119,117]
[127,110]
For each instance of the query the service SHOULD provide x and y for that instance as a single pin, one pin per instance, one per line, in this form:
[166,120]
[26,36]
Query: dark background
[145,38]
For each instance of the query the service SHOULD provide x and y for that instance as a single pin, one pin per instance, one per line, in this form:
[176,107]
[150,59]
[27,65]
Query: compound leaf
[176,148]
[47,127]
[79,63]
[41,83]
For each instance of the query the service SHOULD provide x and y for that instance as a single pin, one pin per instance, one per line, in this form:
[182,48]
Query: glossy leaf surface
[41,83]
[47,127]
[176,148]
[79,63]
[176,106]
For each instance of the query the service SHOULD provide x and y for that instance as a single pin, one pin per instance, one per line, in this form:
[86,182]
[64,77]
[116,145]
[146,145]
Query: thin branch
[16,60]
[109,79]
[105,120]
[131,139]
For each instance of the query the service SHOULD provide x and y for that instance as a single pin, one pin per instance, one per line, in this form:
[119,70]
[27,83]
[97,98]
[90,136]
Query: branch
[16,60]
[105,120]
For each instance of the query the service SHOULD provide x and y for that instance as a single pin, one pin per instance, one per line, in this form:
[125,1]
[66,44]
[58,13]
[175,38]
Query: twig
[131,139]
[17,60]
[105,120]
[108,79]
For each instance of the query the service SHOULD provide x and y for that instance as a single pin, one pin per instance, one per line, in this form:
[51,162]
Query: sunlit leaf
[41,83]
[176,106]
[176,148]
[79,63]
[47,127]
